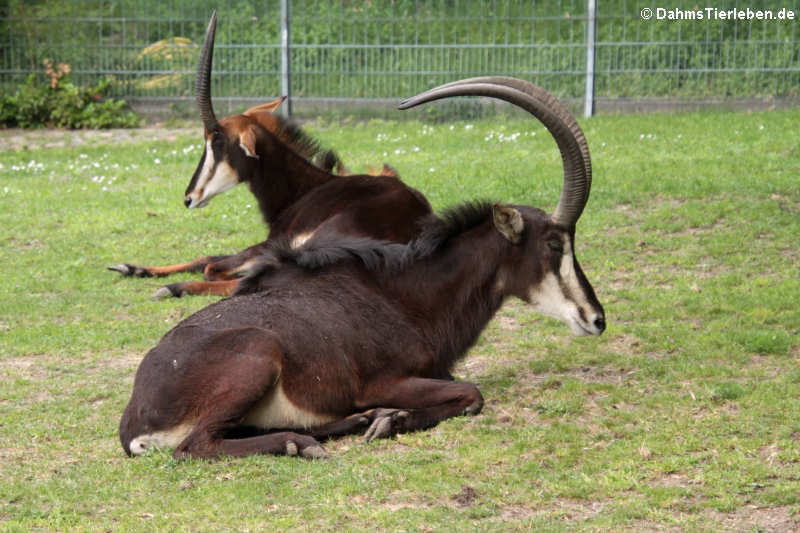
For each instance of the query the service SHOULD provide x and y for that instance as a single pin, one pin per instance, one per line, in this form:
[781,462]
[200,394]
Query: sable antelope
[344,334]
[292,178]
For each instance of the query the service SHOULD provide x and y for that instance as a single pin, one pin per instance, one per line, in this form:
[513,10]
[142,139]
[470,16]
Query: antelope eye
[556,246]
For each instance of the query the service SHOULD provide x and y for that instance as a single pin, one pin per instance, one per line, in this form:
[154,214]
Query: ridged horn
[556,118]
[203,84]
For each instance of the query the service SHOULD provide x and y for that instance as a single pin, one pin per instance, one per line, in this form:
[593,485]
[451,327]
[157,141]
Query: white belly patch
[275,410]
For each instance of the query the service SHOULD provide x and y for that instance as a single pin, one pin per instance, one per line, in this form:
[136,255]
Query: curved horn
[556,118]
[203,87]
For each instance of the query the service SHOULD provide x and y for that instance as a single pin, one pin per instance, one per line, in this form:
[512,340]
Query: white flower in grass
[157,161]
[468,127]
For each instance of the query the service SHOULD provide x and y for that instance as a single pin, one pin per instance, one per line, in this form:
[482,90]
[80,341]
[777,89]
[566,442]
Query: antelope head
[230,144]
[547,273]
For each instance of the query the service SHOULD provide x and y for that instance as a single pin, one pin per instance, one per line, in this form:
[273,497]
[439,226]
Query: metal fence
[345,52]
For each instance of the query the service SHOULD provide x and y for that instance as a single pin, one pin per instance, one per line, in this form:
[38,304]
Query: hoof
[314,452]
[122,268]
[130,270]
[164,292]
[387,423]
[291,448]
[309,451]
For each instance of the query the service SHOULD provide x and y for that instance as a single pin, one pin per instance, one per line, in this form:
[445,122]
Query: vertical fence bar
[591,37]
[286,58]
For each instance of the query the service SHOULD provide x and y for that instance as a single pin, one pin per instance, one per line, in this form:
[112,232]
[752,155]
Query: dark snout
[590,309]
[600,324]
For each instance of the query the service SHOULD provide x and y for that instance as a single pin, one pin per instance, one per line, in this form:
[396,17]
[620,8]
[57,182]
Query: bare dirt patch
[19,139]
[31,367]
[625,344]
[645,526]
[714,227]
[674,480]
[33,244]
[465,497]
[396,501]
[125,361]
[570,510]
[752,518]
[613,376]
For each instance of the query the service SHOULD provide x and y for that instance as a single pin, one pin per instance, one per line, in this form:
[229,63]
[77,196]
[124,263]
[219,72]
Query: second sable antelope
[345,334]
[300,188]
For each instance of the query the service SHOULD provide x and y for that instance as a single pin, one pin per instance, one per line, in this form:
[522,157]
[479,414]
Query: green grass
[683,416]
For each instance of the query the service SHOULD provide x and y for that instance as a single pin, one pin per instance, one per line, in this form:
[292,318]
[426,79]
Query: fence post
[286,61]
[591,38]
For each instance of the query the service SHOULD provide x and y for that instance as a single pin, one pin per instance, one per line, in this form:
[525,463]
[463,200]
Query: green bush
[63,104]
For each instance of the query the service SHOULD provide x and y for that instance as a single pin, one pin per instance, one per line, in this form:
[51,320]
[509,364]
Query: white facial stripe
[550,300]
[563,302]
[224,178]
[169,438]
[213,179]
[208,166]
[568,275]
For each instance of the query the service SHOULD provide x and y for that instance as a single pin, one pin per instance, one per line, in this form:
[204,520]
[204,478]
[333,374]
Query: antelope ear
[269,107]
[247,142]
[508,222]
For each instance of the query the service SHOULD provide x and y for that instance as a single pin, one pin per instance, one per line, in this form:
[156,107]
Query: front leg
[176,290]
[411,404]
[234,266]
[198,265]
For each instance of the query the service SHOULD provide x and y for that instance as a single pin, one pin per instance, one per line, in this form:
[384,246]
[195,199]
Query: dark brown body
[296,197]
[299,187]
[319,349]
[325,329]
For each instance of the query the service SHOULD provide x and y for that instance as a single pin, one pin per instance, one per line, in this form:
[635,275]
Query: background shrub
[57,102]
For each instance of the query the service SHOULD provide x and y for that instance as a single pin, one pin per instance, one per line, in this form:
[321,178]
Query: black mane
[453,221]
[329,248]
[325,249]
[306,146]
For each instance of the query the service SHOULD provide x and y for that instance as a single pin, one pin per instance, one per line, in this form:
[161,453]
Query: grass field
[683,416]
